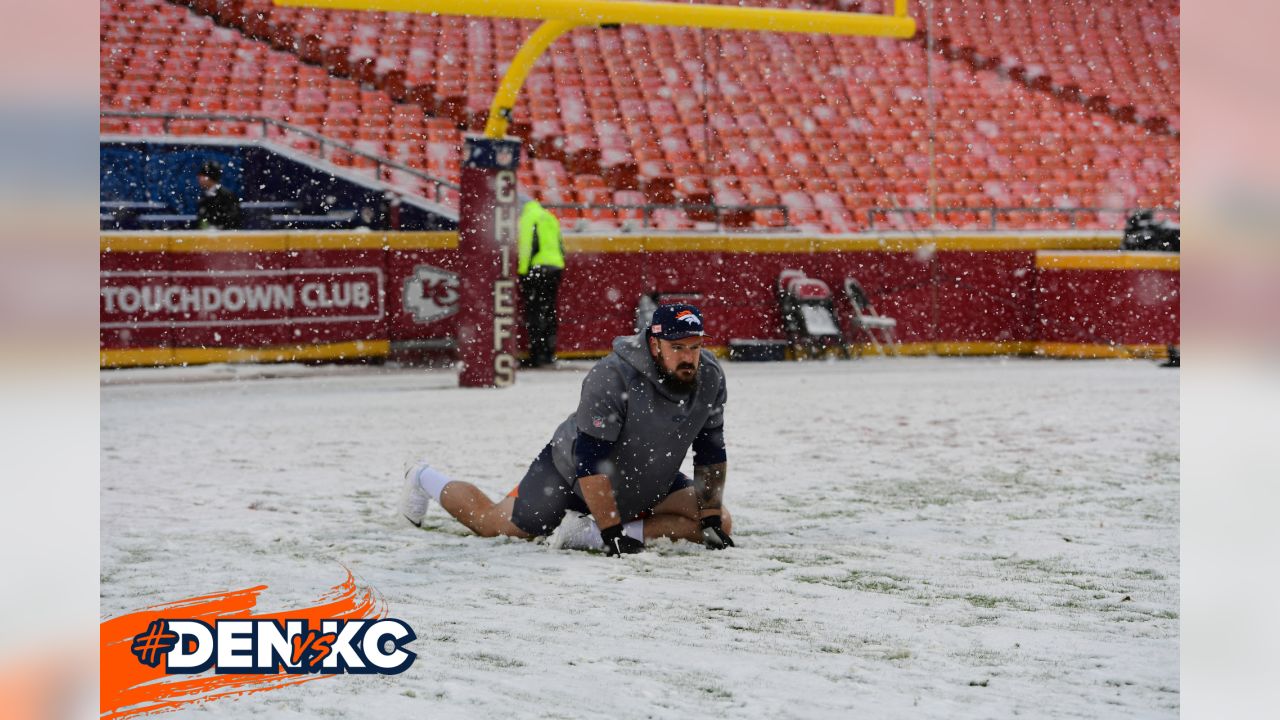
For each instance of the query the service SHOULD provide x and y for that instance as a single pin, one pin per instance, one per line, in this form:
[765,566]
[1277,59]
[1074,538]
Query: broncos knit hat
[676,322]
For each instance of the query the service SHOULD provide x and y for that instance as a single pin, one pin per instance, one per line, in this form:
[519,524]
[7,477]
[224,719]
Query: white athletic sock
[433,482]
[634,529]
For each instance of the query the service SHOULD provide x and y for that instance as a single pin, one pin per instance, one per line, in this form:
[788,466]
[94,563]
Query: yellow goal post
[561,16]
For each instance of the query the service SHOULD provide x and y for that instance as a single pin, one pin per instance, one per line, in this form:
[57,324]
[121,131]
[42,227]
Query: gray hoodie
[624,402]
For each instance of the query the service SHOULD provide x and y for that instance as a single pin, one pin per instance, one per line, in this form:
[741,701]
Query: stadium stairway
[1119,57]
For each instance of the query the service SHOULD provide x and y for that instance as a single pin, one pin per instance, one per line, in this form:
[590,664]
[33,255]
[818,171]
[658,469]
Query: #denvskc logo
[203,648]
[188,647]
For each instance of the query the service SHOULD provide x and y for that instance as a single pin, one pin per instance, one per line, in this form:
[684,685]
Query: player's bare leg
[462,500]
[677,517]
[471,507]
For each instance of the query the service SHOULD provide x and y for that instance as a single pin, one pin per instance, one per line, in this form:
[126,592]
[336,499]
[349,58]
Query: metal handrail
[380,162]
[648,209]
[438,184]
[872,213]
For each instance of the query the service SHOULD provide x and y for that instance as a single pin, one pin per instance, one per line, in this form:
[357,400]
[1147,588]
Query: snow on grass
[917,537]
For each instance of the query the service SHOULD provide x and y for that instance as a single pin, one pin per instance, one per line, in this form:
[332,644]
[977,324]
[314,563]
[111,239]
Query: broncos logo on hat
[689,317]
[676,322]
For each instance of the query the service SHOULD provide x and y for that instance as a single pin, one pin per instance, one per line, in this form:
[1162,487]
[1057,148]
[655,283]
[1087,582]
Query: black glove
[713,535]
[615,543]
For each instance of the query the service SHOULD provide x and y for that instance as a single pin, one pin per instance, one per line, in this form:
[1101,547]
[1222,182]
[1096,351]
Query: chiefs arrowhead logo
[430,294]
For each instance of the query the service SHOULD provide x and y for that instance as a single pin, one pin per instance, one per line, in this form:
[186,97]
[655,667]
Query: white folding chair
[868,321]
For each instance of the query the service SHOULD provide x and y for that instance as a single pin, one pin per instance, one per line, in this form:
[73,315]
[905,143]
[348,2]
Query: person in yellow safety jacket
[541,264]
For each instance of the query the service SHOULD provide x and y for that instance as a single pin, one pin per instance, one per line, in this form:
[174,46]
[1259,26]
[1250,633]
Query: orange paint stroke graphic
[129,688]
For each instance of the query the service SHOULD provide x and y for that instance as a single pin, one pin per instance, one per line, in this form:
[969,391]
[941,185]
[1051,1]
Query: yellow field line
[791,244]
[139,357]
[1108,261]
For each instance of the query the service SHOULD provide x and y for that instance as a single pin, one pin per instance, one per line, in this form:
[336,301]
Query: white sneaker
[413,499]
[576,532]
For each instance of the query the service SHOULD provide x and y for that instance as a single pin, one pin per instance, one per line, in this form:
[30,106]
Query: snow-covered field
[918,537]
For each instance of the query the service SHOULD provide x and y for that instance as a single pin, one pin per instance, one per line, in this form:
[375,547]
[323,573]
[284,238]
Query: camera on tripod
[1143,232]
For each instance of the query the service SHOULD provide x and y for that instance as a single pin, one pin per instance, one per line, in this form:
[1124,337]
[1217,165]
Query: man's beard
[671,381]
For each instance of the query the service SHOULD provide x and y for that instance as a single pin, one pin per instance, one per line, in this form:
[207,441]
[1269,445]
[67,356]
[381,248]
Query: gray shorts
[544,495]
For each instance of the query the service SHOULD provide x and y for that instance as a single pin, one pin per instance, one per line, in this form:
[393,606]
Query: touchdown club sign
[140,299]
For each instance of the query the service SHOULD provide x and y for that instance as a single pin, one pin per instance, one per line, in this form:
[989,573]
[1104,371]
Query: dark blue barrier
[141,178]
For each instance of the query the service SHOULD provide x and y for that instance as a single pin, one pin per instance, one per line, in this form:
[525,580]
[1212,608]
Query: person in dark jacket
[610,477]
[219,208]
